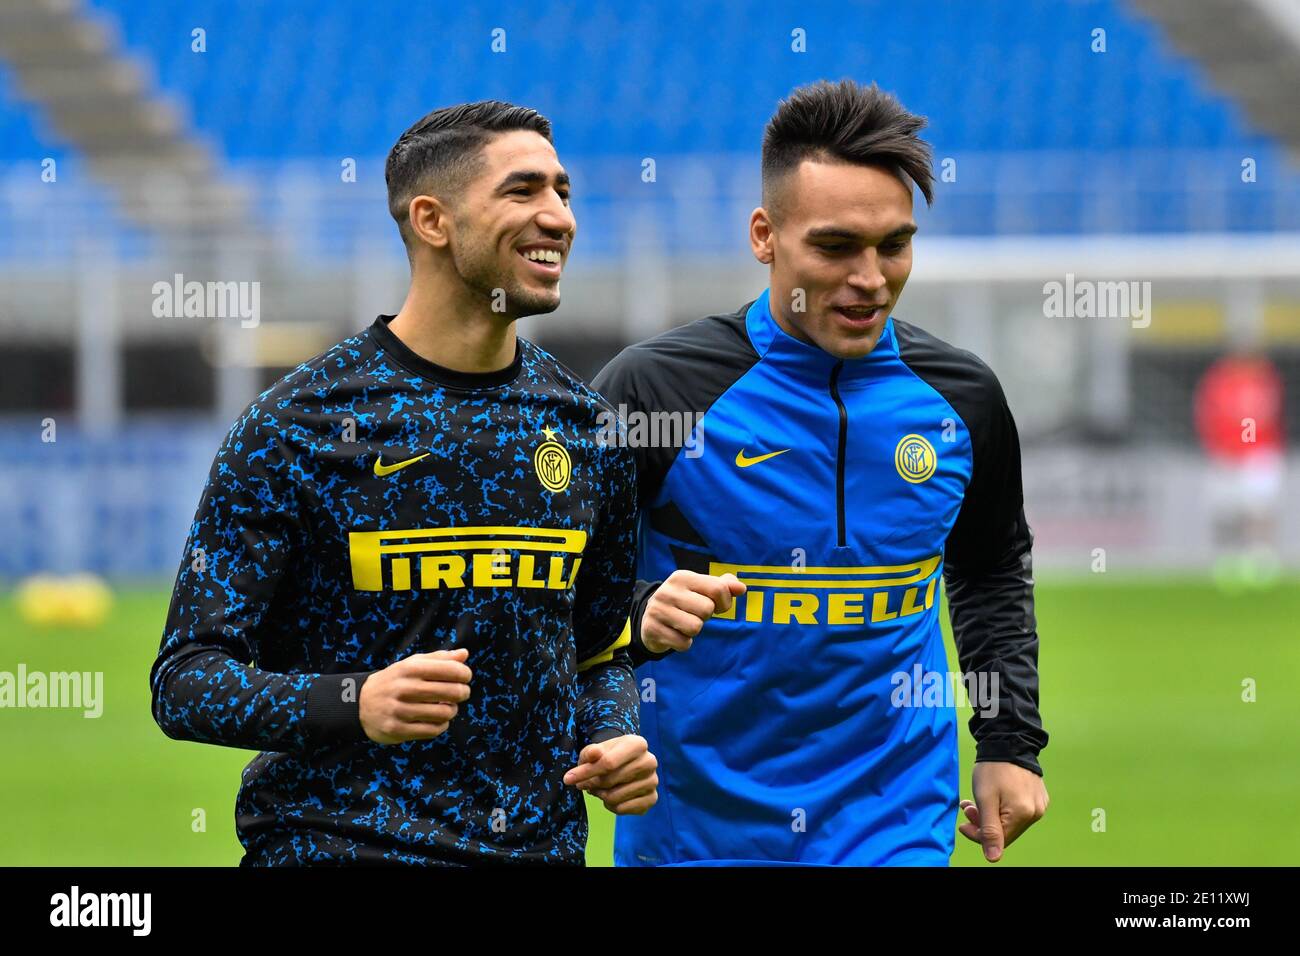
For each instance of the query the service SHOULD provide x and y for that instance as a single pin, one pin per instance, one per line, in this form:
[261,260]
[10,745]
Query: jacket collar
[804,361]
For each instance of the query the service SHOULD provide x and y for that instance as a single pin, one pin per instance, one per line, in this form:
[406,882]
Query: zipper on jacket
[839,457]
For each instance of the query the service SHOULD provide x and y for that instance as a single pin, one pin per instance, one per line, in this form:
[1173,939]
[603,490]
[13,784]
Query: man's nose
[556,217]
[867,276]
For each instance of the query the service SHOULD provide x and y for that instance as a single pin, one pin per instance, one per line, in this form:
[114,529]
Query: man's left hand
[620,772]
[1008,800]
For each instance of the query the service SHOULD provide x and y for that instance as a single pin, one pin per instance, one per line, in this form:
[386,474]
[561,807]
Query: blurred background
[1137,159]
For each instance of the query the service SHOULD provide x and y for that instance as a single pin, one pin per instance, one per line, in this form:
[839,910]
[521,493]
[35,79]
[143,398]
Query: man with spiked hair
[802,707]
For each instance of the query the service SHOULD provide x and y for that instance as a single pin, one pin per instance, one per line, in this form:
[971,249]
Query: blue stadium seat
[309,78]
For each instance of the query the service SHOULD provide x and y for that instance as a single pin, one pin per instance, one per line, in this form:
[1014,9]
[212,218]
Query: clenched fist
[620,772]
[680,606]
[416,698]
[1008,800]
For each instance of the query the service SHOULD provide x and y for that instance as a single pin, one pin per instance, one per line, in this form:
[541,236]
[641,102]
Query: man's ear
[431,221]
[762,236]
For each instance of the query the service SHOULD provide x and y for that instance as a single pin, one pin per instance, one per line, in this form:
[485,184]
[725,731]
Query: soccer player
[796,688]
[1238,412]
[410,572]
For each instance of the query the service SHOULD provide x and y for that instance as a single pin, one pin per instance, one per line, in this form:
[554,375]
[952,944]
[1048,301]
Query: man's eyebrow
[839,232]
[531,177]
[904,230]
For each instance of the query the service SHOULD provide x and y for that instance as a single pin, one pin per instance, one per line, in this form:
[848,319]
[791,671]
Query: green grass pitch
[1142,695]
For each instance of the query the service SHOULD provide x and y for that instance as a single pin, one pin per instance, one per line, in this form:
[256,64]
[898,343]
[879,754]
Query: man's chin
[849,349]
[536,301]
[517,301]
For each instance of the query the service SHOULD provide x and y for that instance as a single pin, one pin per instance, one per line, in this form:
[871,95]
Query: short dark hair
[845,122]
[440,153]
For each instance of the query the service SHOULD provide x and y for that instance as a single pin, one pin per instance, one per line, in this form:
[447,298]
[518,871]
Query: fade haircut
[442,152]
[849,123]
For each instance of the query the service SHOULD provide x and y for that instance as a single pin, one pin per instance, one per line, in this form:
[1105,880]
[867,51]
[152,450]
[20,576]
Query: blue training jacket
[814,722]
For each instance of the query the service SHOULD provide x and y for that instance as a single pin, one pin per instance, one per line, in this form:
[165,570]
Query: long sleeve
[621,383]
[205,684]
[608,703]
[989,582]
[641,595]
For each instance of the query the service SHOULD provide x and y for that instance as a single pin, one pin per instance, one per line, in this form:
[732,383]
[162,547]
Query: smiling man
[409,576]
[790,641]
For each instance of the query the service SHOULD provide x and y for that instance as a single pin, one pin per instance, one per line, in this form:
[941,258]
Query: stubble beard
[482,273]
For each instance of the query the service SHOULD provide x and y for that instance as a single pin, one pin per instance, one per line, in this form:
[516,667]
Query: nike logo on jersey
[743,462]
[381,469]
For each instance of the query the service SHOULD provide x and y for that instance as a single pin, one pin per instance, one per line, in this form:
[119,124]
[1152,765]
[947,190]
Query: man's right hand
[680,606]
[416,698]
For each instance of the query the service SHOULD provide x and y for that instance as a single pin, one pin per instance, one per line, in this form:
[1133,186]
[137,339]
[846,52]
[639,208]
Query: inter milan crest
[552,463]
[915,459]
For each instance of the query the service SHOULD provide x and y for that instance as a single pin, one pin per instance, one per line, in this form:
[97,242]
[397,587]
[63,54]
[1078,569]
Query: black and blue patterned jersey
[372,505]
